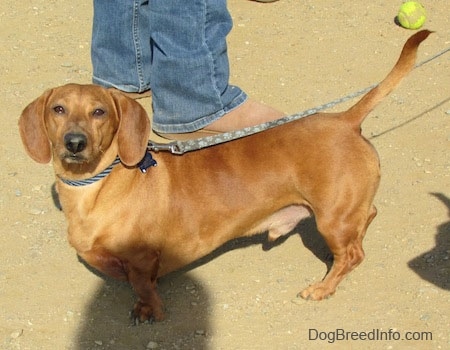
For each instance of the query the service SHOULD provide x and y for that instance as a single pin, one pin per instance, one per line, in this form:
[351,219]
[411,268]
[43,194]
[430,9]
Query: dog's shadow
[55,197]
[434,266]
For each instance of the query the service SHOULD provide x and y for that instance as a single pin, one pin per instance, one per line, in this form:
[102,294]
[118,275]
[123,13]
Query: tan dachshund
[139,226]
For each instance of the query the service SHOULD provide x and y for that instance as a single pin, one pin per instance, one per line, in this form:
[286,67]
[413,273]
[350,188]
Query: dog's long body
[137,227]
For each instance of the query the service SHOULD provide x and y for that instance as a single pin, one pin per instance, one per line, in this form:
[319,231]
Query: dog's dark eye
[98,112]
[59,109]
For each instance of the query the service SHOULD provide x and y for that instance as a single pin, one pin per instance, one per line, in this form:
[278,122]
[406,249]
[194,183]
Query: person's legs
[120,45]
[190,72]
[179,50]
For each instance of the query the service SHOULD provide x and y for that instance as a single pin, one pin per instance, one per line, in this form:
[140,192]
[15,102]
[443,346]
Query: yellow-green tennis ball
[412,15]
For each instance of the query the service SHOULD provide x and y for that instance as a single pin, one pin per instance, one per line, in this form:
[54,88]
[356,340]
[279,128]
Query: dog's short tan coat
[137,227]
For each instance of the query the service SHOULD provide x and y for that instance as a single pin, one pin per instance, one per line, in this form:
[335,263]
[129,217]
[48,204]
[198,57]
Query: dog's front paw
[317,291]
[143,312]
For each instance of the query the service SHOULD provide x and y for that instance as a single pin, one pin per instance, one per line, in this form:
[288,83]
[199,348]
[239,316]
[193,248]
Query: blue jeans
[176,48]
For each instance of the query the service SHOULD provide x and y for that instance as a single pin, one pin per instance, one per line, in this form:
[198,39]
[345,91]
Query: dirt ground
[292,55]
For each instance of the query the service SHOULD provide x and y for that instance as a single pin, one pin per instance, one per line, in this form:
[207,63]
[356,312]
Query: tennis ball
[412,15]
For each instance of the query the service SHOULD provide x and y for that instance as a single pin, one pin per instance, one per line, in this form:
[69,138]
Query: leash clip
[171,147]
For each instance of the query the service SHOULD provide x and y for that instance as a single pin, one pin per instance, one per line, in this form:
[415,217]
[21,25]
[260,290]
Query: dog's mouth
[77,164]
[73,158]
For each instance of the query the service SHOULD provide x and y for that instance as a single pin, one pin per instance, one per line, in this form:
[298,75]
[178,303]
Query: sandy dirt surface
[290,54]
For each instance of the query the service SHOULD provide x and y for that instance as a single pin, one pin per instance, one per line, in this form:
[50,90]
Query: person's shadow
[187,326]
[434,266]
[107,323]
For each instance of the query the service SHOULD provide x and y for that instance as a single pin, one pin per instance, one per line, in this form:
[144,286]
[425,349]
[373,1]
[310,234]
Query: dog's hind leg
[344,238]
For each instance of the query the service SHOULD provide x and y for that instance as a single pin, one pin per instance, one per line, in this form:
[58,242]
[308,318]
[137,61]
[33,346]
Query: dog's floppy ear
[134,129]
[33,132]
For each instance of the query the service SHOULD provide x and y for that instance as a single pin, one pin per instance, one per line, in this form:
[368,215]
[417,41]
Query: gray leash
[181,147]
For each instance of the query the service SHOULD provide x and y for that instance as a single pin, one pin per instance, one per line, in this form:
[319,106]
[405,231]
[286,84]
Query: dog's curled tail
[404,65]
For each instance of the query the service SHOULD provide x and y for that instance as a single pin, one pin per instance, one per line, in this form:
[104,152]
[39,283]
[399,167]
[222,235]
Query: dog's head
[78,124]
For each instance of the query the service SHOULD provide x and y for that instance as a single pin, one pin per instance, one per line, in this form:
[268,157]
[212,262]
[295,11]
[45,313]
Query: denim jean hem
[121,87]
[201,122]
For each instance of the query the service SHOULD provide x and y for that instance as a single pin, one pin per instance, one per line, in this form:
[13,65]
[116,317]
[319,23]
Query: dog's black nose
[75,142]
